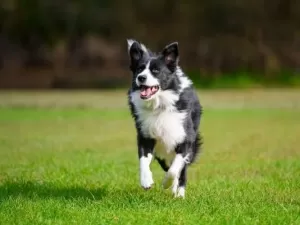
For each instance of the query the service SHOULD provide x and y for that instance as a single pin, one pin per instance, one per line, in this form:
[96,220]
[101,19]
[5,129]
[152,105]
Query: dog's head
[153,73]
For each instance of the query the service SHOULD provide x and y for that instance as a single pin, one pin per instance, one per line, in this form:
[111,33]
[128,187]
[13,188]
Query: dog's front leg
[145,148]
[176,175]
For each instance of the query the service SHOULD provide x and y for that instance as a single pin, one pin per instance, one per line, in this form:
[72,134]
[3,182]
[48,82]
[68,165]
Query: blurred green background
[82,44]
[70,157]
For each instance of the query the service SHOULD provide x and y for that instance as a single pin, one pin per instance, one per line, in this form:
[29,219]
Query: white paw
[180,192]
[145,172]
[146,180]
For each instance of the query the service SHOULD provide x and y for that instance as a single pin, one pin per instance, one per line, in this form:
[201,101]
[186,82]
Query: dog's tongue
[146,91]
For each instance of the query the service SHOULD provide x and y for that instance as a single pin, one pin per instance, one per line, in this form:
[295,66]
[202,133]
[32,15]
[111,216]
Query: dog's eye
[155,71]
[140,69]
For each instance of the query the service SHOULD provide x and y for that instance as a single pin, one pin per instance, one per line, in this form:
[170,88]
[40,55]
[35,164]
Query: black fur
[164,67]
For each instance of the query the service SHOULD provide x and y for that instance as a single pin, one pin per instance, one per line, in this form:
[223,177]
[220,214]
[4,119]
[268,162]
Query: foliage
[86,40]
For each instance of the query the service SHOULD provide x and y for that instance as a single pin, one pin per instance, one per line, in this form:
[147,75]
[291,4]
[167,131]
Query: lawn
[70,158]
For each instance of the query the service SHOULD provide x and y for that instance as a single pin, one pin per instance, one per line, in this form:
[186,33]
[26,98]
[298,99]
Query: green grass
[71,158]
[242,79]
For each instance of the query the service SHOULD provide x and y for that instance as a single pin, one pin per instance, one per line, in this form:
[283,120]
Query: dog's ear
[136,50]
[171,55]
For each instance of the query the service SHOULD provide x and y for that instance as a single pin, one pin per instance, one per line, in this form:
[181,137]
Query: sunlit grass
[70,158]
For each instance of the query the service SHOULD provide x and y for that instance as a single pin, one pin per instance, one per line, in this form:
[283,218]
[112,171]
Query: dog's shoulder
[188,99]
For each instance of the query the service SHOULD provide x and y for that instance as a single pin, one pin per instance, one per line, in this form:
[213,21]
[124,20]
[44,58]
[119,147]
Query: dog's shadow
[44,190]
[31,189]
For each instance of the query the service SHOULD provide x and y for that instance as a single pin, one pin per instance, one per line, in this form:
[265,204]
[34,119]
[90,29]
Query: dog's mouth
[147,92]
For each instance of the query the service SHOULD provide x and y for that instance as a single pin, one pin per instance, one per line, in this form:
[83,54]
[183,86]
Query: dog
[166,112]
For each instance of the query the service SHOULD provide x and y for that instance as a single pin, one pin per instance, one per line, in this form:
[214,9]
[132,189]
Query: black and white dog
[166,111]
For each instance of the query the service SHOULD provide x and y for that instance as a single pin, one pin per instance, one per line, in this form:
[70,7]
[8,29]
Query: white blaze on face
[150,79]
[150,86]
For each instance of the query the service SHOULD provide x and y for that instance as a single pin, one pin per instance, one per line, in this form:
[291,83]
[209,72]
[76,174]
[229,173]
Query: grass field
[71,158]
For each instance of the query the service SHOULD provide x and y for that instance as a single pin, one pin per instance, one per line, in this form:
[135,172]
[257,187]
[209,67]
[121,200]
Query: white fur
[160,152]
[150,79]
[129,44]
[145,172]
[177,165]
[180,192]
[175,186]
[171,178]
[184,80]
[160,119]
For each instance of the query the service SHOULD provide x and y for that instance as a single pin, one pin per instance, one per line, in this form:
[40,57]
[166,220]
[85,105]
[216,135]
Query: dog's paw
[180,193]
[146,180]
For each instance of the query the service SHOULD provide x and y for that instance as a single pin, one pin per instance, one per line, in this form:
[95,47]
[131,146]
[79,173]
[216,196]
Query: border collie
[166,111]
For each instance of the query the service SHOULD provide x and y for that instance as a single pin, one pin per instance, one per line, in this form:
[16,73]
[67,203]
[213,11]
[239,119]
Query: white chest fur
[164,126]
[161,152]
[159,119]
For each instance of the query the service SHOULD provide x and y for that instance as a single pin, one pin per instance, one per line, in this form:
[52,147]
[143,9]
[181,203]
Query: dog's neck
[164,101]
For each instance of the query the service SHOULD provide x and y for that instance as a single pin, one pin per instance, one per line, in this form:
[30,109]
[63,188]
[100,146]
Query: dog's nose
[141,78]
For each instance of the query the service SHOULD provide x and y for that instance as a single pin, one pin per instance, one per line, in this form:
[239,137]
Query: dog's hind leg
[181,183]
[162,164]
[174,172]
[176,175]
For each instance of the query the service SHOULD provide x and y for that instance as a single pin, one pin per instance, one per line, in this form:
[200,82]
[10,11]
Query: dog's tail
[197,147]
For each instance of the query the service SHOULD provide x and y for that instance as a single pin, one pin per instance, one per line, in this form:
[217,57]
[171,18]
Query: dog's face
[152,73]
